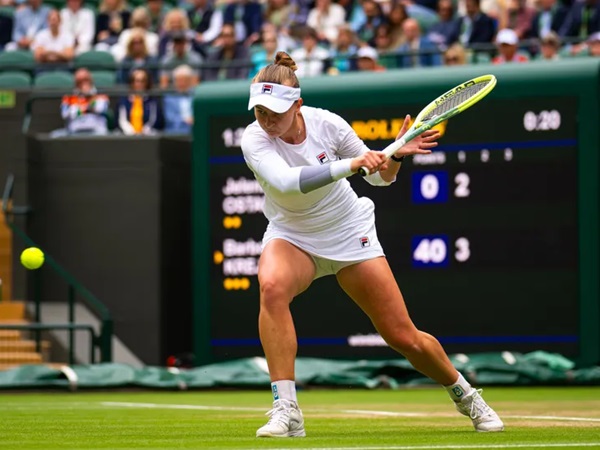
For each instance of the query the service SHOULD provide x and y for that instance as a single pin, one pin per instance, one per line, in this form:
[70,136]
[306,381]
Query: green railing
[102,340]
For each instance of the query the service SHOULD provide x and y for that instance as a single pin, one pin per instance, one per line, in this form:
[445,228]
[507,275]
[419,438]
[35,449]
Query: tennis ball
[32,258]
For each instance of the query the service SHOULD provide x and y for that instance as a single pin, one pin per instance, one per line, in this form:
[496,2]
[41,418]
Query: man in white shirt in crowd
[310,58]
[54,44]
[81,23]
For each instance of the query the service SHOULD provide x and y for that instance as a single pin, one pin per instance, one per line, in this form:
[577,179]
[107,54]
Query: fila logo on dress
[364,242]
[323,158]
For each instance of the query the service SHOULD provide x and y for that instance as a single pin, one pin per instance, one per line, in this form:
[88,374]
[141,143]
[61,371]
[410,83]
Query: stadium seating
[104,78]
[17,60]
[15,80]
[54,80]
[95,60]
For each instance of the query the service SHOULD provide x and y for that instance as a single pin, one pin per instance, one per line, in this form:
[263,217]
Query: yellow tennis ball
[32,258]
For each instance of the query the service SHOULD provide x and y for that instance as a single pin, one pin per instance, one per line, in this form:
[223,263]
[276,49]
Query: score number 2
[432,251]
[433,187]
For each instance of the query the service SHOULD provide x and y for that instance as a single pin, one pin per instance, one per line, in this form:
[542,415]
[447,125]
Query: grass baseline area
[411,419]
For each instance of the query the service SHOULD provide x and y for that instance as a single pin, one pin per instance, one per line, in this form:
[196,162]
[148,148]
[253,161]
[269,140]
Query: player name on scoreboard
[242,198]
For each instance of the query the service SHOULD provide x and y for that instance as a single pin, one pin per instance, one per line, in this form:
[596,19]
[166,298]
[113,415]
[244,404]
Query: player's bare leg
[284,271]
[372,286]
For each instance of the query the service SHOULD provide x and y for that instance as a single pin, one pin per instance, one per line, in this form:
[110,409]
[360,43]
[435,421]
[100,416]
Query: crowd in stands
[178,43]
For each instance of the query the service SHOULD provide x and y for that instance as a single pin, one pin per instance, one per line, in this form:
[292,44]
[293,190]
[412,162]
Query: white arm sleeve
[270,167]
[351,146]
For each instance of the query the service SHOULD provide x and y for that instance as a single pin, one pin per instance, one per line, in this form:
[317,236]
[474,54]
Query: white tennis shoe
[285,420]
[474,406]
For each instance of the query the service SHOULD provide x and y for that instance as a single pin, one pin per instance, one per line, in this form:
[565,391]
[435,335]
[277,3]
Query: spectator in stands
[300,11]
[181,54]
[278,12]
[28,21]
[140,113]
[455,55]
[178,107]
[491,8]
[310,58]
[140,19]
[475,27]
[157,10]
[84,111]
[343,51]
[445,30]
[583,19]
[373,17]
[54,44]
[507,43]
[593,45]
[285,42]
[550,17]
[206,21]
[325,18]
[418,50]
[81,23]
[137,57]
[230,62]
[175,21]
[384,47]
[266,54]
[549,47]
[246,18]
[517,16]
[367,60]
[396,18]
[425,16]
[113,16]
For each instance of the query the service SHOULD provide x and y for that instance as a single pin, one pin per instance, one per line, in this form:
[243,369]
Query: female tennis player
[318,226]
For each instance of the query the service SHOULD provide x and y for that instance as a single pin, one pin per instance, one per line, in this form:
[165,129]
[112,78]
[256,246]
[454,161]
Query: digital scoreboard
[484,235]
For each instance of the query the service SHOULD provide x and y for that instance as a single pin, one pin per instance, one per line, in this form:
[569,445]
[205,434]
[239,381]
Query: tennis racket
[448,105]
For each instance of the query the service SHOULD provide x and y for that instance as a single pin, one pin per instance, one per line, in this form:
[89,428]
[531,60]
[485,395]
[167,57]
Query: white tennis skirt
[349,241]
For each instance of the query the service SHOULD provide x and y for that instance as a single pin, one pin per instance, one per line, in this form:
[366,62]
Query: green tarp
[537,368]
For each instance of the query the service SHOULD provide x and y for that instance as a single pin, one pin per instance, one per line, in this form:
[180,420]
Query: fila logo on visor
[364,242]
[322,157]
[267,89]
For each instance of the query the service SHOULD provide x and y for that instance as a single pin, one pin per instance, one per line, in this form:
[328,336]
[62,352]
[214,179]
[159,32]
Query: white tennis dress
[330,222]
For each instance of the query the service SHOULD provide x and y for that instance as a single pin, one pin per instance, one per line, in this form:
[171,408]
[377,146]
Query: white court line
[458,446]
[343,411]
[575,419]
[169,406]
[239,408]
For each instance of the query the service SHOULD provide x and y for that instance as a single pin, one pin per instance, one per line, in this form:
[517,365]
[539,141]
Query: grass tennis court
[335,419]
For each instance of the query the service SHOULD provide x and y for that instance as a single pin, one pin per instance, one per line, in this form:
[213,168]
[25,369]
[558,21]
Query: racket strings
[455,100]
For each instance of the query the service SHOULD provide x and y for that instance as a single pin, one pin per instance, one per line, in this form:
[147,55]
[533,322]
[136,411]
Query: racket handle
[388,152]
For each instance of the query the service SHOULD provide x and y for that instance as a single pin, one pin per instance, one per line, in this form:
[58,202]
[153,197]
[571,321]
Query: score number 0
[432,187]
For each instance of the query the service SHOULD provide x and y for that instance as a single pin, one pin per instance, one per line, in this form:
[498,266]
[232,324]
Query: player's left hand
[420,145]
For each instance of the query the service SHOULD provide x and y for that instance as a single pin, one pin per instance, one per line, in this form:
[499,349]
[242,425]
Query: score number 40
[433,250]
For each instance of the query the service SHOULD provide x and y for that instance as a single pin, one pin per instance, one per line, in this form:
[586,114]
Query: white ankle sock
[284,389]
[459,389]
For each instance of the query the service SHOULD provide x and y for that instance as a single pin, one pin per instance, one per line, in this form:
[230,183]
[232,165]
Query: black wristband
[397,159]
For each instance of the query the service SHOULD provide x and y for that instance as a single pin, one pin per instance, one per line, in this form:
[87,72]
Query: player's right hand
[372,160]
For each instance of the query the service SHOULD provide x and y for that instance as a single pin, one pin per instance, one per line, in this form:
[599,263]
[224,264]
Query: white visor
[276,97]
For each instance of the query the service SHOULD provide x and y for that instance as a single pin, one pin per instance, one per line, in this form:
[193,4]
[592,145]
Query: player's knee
[273,292]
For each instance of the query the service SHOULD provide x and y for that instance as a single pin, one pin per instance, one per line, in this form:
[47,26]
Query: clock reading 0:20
[542,121]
